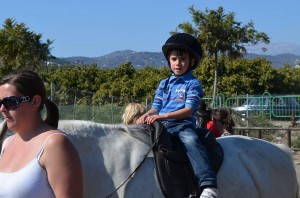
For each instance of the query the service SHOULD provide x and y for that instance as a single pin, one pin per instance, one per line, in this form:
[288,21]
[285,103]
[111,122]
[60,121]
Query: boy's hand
[142,119]
[148,119]
[147,116]
[152,118]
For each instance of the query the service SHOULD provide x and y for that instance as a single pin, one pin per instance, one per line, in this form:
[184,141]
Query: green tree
[287,80]
[147,81]
[237,77]
[220,33]
[92,85]
[247,76]
[21,48]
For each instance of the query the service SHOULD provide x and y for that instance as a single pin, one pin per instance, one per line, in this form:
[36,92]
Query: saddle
[174,171]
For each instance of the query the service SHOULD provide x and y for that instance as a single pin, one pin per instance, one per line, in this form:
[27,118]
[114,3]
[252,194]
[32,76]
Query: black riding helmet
[186,42]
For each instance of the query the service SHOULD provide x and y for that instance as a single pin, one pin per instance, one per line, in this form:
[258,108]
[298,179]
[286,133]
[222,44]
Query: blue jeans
[195,151]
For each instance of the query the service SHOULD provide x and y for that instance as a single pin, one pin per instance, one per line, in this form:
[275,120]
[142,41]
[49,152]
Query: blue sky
[94,28]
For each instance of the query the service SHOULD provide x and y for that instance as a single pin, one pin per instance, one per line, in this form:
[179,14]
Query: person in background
[204,119]
[210,125]
[223,121]
[202,116]
[176,102]
[38,160]
[132,112]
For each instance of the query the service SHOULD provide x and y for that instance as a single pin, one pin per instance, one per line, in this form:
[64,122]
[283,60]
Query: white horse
[252,168]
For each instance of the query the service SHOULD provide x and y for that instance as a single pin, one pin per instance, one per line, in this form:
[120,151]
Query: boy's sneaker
[209,193]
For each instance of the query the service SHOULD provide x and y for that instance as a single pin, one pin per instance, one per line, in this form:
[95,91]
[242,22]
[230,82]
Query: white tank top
[29,182]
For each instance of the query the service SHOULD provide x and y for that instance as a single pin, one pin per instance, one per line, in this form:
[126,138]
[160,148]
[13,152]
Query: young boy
[176,102]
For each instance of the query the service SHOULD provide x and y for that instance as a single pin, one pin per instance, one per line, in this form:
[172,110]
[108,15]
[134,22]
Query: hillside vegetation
[126,83]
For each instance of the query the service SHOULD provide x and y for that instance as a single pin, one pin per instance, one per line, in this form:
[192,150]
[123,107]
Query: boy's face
[179,62]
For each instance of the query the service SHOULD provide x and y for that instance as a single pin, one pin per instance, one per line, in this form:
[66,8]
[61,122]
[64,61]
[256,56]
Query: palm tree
[220,33]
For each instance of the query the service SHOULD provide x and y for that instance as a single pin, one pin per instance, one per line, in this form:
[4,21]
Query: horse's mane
[90,128]
[141,132]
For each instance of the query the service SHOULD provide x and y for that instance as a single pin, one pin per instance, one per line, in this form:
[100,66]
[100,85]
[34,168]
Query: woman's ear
[36,101]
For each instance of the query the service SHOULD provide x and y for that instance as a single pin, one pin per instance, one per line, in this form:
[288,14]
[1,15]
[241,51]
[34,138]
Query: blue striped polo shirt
[176,93]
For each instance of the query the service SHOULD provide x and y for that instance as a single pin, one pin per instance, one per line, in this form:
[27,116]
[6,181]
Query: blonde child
[132,112]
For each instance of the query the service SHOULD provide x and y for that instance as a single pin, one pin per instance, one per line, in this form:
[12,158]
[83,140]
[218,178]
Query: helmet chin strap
[192,62]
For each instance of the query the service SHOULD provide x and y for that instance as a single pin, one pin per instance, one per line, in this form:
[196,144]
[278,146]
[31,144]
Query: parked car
[282,107]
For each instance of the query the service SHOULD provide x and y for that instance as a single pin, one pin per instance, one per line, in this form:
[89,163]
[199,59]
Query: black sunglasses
[12,102]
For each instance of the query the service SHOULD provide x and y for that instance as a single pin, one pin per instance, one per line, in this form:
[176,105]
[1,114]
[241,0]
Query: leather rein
[136,169]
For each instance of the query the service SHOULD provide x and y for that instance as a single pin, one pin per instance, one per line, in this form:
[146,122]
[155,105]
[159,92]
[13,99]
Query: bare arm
[63,167]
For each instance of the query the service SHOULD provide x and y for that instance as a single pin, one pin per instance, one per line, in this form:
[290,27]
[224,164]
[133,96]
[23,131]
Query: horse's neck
[109,155]
[113,141]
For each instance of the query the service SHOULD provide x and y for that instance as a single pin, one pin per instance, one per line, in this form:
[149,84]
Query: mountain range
[278,54]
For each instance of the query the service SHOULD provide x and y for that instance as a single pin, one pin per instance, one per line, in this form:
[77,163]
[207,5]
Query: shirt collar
[185,76]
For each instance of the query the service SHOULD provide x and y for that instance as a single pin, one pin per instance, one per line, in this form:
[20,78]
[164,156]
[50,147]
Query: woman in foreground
[38,160]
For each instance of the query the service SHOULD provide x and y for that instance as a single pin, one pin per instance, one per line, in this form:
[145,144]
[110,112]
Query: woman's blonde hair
[132,112]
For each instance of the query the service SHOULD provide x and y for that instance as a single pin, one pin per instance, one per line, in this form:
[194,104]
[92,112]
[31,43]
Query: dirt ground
[296,158]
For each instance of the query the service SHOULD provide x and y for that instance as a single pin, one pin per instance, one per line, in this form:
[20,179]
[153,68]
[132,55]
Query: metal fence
[107,113]
[287,136]
[264,106]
